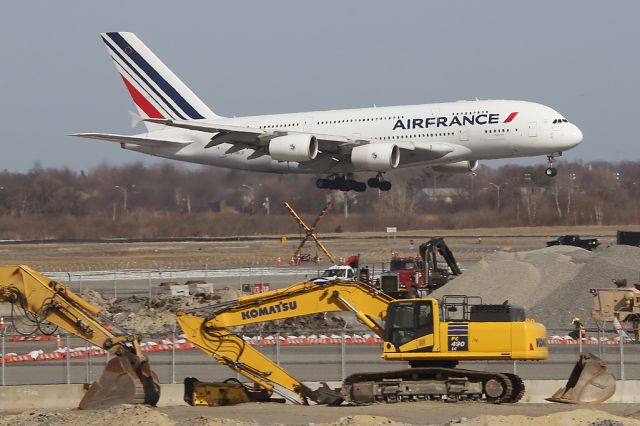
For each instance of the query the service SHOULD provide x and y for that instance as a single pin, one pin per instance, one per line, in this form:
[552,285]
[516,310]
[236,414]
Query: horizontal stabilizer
[205,127]
[136,140]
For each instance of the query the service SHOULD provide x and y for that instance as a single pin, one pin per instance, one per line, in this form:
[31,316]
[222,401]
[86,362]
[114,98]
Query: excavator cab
[408,320]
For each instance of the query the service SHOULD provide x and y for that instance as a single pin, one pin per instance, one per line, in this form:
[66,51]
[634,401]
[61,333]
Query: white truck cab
[336,272]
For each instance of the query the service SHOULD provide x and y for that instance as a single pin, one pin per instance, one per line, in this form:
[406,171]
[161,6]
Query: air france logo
[456,120]
[269,310]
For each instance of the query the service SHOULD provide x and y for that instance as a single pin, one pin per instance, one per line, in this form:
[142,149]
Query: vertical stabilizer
[154,88]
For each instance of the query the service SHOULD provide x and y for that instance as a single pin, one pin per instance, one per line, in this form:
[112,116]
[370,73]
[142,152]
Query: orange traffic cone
[292,262]
[58,342]
[279,261]
[1,323]
[317,261]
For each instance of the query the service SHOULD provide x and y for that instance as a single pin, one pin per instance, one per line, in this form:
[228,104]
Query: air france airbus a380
[448,137]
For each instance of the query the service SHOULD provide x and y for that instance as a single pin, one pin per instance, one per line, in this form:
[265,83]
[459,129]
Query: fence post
[149,282]
[343,353]
[515,368]
[173,354]
[70,282]
[621,356]
[88,366]
[580,341]
[68,360]
[115,285]
[3,357]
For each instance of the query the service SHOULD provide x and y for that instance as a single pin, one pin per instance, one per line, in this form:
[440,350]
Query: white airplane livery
[448,137]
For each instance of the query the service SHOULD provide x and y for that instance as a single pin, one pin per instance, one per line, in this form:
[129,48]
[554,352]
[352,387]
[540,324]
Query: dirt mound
[362,420]
[551,283]
[567,418]
[125,415]
[155,315]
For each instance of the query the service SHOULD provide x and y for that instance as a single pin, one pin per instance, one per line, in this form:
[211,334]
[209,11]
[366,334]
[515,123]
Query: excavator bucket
[123,382]
[589,383]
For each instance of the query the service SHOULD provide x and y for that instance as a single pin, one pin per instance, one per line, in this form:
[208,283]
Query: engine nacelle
[293,148]
[457,167]
[376,157]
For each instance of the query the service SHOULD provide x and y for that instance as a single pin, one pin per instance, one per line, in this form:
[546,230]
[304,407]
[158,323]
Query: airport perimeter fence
[318,355]
[332,357]
[150,282]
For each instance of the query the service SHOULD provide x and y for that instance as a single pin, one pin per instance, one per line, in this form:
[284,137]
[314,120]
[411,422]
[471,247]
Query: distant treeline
[170,200]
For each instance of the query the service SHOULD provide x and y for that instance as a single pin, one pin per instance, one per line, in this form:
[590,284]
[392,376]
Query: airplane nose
[573,136]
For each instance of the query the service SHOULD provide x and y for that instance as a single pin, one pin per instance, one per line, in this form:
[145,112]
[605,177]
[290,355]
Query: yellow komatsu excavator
[433,337]
[48,304]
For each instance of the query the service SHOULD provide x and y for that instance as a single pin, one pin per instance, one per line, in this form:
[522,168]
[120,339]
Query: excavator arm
[127,377]
[212,334]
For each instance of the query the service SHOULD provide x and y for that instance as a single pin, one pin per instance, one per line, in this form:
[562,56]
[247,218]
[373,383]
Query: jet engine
[293,148]
[376,157]
[457,167]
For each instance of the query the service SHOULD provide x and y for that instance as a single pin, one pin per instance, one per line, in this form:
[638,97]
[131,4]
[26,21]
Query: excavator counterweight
[127,377]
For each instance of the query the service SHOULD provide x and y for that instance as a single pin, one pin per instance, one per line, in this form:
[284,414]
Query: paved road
[306,362]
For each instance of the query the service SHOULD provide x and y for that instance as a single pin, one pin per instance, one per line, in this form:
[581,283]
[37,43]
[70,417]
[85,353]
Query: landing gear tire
[322,183]
[348,185]
[336,183]
[384,185]
[373,182]
[360,187]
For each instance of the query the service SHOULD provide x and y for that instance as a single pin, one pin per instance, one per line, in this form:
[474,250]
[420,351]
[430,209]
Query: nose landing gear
[550,171]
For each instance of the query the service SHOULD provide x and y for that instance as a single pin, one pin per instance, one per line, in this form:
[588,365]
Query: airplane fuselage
[488,129]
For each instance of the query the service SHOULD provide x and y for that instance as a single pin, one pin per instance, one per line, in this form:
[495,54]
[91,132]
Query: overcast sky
[578,57]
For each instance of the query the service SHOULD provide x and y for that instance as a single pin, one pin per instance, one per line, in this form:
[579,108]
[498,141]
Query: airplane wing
[336,146]
[136,140]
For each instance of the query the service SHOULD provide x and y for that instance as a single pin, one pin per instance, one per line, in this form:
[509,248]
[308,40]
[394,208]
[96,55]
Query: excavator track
[447,384]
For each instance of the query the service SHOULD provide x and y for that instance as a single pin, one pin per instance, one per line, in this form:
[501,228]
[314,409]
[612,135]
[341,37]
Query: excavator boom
[211,334]
[127,377]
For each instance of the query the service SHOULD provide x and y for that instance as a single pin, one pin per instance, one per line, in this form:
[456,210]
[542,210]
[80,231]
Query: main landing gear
[341,183]
[379,182]
[347,183]
[550,171]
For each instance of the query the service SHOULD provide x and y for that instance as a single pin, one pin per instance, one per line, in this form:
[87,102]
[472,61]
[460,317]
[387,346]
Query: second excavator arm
[127,377]
[211,333]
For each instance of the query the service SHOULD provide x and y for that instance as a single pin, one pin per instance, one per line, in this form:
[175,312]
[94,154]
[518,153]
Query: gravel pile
[551,283]
[155,316]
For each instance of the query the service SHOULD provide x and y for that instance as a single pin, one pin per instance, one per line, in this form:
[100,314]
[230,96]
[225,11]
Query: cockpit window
[560,120]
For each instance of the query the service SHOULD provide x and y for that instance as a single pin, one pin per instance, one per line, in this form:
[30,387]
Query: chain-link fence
[313,356]
[327,359]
